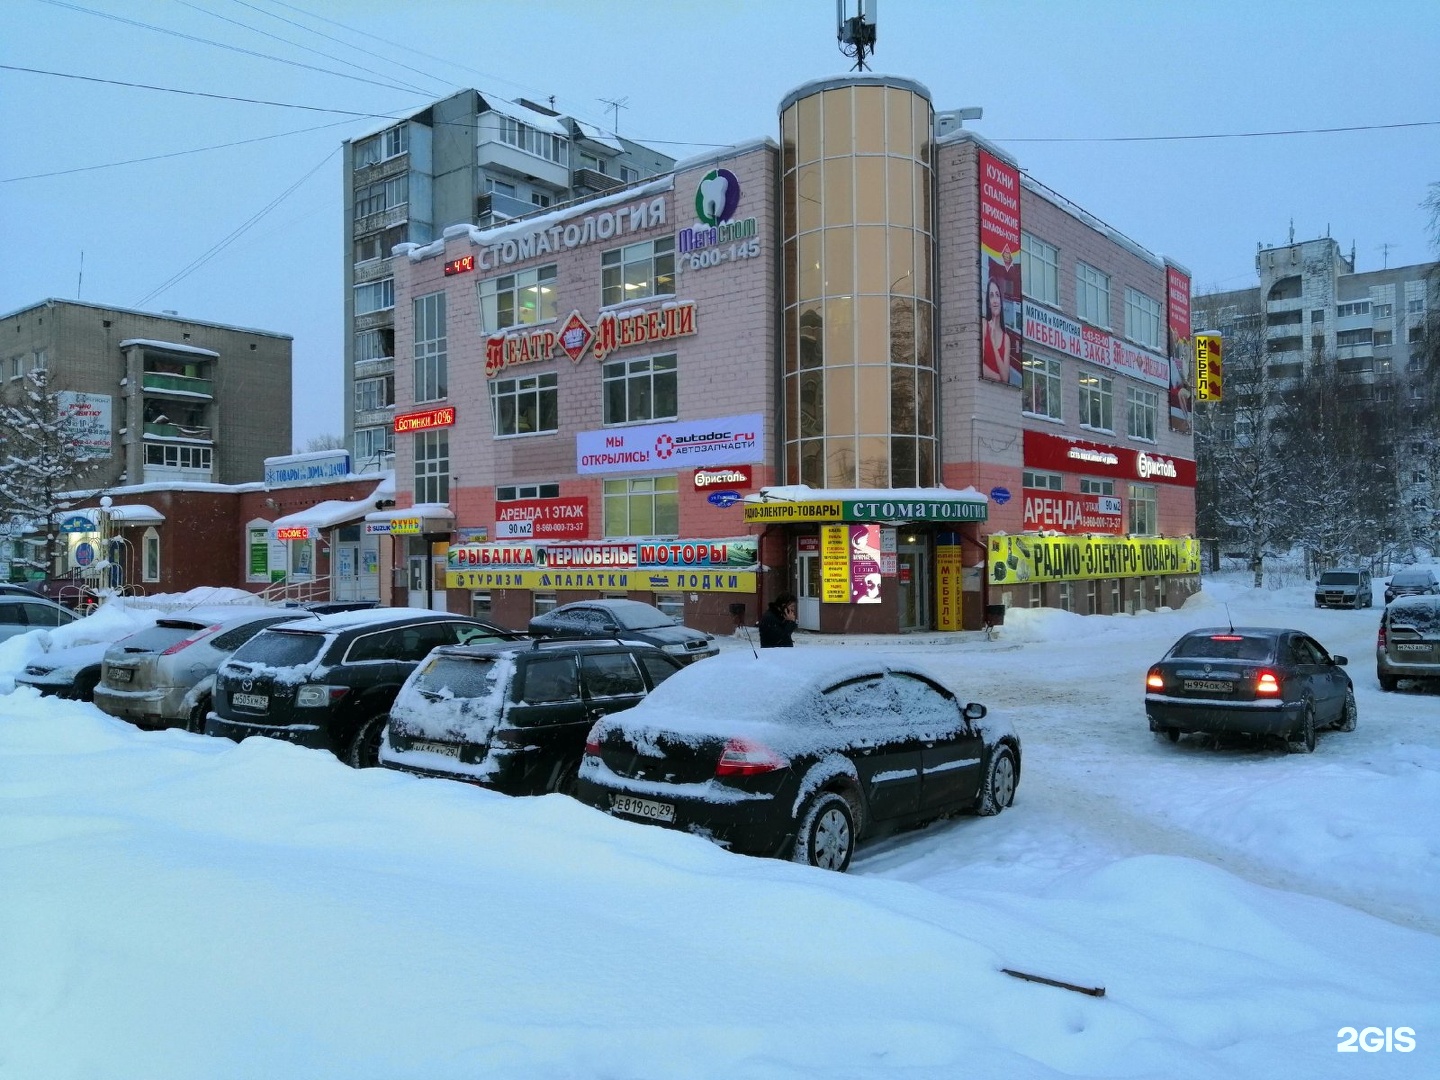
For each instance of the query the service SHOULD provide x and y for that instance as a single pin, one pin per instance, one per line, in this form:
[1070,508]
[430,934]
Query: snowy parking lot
[177,906]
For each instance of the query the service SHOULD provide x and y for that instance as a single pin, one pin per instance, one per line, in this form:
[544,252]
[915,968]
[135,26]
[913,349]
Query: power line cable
[1222,135]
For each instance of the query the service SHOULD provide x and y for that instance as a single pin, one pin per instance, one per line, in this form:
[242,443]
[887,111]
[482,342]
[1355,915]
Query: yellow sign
[948,569]
[769,513]
[1209,367]
[715,581]
[1022,559]
[407,526]
[834,564]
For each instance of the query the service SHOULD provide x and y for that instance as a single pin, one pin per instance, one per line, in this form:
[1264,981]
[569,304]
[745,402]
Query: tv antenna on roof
[615,107]
[856,35]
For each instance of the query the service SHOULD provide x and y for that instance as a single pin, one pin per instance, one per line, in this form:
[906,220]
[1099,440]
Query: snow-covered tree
[317,443]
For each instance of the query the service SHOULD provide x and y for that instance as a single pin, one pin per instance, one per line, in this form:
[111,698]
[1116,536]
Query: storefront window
[672,604]
[1143,513]
[642,506]
[480,605]
[543,602]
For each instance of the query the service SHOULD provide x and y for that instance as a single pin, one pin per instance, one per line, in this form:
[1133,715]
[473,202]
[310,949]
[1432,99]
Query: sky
[180,906]
[249,233]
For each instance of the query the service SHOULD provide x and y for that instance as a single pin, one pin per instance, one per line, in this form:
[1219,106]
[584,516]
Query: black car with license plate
[1413,581]
[328,681]
[514,716]
[800,756]
[1408,644]
[1251,680]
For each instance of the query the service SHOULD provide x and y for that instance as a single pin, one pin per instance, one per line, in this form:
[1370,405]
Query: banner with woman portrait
[1001,333]
[1177,291]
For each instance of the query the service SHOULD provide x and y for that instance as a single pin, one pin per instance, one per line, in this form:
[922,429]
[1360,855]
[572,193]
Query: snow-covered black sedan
[1253,680]
[799,755]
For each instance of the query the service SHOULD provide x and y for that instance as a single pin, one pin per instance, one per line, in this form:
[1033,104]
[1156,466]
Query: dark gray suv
[1416,581]
[1408,645]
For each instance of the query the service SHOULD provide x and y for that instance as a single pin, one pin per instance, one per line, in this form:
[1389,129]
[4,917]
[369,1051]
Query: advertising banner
[1209,367]
[1063,512]
[1177,291]
[300,469]
[1001,334]
[717,581]
[834,564]
[740,554]
[864,564]
[1025,559]
[891,509]
[1056,453]
[949,569]
[88,417]
[542,519]
[723,440]
[1094,346]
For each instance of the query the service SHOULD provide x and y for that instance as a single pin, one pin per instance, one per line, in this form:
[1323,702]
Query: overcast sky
[692,74]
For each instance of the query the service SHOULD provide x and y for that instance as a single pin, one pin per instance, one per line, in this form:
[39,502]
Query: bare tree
[317,443]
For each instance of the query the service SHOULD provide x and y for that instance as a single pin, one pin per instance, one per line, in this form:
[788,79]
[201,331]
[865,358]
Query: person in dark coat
[777,625]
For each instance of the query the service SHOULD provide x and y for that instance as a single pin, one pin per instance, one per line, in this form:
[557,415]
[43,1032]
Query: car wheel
[195,722]
[1302,740]
[364,751]
[827,833]
[1349,715]
[1388,683]
[85,687]
[1171,734]
[999,789]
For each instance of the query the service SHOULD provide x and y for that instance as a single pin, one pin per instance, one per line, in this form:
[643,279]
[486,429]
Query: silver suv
[1345,587]
[1408,645]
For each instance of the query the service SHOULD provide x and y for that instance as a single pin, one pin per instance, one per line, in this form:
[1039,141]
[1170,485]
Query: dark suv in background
[1416,581]
[328,682]
[514,717]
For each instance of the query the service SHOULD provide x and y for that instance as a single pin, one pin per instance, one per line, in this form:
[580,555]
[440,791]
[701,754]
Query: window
[1037,596]
[1141,409]
[1092,295]
[1383,339]
[432,467]
[642,506]
[1092,597]
[501,187]
[150,555]
[628,175]
[1359,307]
[480,605]
[1065,595]
[1143,517]
[521,299]
[525,406]
[1040,386]
[376,344]
[533,141]
[1382,311]
[371,442]
[1416,306]
[1317,315]
[1097,402]
[374,393]
[1349,338]
[541,602]
[175,456]
[1416,335]
[538,199]
[1089,486]
[527,491]
[368,248]
[611,675]
[640,390]
[1142,319]
[431,374]
[374,296]
[1046,481]
[638,270]
[42,358]
[384,195]
[1039,270]
[382,147]
[672,604]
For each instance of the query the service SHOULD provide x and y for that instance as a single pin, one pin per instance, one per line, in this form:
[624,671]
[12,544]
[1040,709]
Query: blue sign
[84,553]
[77,523]
[723,498]
[1000,495]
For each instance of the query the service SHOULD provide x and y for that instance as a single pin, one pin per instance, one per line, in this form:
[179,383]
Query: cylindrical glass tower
[858,235]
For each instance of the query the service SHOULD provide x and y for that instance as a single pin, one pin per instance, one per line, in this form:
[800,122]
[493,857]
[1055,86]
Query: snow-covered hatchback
[1408,644]
[801,755]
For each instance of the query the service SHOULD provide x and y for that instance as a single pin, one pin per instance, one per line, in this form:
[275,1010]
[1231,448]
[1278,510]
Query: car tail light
[741,757]
[1267,683]
[592,741]
[184,643]
[1380,637]
[1155,681]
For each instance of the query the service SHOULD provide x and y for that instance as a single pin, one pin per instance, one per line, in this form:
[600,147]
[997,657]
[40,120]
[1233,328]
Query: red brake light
[1155,681]
[186,642]
[1226,637]
[1380,637]
[592,741]
[741,757]
[1267,683]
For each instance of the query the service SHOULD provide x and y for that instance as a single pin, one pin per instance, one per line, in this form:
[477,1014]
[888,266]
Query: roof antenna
[856,35]
[1228,619]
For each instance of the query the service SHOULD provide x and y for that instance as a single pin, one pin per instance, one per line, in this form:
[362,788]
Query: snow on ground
[183,907]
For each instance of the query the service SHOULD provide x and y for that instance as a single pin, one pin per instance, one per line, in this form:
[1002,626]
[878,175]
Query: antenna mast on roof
[856,35]
[615,107]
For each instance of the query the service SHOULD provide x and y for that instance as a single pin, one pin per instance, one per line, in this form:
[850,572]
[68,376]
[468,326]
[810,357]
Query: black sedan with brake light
[1250,680]
[800,756]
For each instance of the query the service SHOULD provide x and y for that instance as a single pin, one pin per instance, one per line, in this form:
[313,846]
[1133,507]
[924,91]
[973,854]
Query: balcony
[374,368]
[592,180]
[164,383]
[178,431]
[1289,303]
[381,417]
[497,206]
[381,220]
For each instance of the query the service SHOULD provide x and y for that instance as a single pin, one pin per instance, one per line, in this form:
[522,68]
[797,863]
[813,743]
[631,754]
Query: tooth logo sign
[717,197]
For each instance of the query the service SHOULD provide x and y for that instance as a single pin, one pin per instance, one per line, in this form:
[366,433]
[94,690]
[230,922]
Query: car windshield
[1340,577]
[158,638]
[456,676]
[1225,647]
[1411,577]
[1424,618]
[280,648]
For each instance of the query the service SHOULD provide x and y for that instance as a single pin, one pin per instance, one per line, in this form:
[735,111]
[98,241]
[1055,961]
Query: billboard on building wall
[89,418]
[722,440]
[1209,367]
[1001,332]
[1177,292]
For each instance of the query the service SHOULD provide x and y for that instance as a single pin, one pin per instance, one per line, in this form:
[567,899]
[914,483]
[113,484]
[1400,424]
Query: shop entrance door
[345,584]
[914,586]
[807,590]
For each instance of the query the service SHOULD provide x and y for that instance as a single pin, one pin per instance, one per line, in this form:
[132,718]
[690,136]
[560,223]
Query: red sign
[1063,512]
[431,418]
[808,544]
[293,532]
[542,519]
[621,331]
[461,265]
[1057,453]
[727,476]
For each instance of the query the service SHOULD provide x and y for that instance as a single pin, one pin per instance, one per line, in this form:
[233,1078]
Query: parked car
[21,614]
[164,675]
[1415,581]
[1254,680]
[630,618]
[11,588]
[329,607]
[66,673]
[802,755]
[514,716]
[1348,587]
[328,681]
[1408,645]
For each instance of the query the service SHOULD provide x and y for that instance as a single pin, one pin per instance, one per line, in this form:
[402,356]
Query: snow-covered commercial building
[870,363]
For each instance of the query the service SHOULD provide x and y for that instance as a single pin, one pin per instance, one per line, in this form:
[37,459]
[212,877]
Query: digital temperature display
[460,266]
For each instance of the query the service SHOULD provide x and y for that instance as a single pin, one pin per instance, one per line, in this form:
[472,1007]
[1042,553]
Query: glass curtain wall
[858,239]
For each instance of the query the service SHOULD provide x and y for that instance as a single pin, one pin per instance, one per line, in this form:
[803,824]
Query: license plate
[250,701]
[446,748]
[1421,647]
[123,674]
[642,808]
[1220,686]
